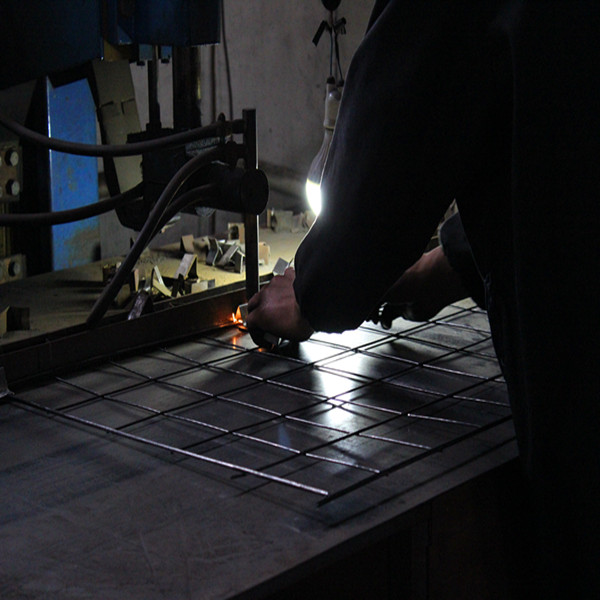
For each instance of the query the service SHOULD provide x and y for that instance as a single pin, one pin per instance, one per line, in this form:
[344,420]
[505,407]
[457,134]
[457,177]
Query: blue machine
[73,179]
[40,38]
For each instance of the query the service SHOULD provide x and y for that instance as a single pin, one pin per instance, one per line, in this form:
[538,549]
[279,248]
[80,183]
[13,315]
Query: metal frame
[77,346]
[229,410]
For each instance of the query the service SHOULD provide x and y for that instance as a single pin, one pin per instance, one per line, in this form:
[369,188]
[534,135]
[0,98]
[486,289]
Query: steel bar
[77,346]
[409,461]
[173,449]
[251,221]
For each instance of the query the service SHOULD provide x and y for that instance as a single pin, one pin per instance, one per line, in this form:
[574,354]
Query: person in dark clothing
[443,275]
[496,104]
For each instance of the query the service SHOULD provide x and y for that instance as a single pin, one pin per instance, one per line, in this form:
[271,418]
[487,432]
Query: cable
[219,129]
[226,55]
[148,230]
[184,200]
[74,214]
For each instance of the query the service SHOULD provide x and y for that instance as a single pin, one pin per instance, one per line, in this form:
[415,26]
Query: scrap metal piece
[233,257]
[280,266]
[157,283]
[178,287]
[142,305]
[199,286]
[239,261]
[186,244]
[228,255]
[187,267]
[214,252]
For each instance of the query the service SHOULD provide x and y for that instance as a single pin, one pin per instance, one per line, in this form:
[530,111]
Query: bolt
[13,187]
[12,157]
[14,268]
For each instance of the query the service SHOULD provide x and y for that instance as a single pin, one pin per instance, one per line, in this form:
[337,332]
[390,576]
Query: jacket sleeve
[411,124]
[457,250]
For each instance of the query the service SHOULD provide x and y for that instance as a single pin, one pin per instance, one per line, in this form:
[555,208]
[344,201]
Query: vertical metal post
[153,104]
[251,221]
[186,87]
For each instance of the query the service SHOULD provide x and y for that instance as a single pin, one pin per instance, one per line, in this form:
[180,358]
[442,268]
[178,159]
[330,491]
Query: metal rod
[413,459]
[186,87]
[251,221]
[153,104]
[173,449]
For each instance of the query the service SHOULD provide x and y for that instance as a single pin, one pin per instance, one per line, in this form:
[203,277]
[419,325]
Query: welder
[494,104]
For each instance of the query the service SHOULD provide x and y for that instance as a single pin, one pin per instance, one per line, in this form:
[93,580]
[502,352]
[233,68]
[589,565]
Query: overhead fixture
[333,95]
[315,173]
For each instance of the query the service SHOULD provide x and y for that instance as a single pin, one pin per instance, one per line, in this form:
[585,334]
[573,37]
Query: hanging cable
[151,226]
[219,129]
[339,27]
[74,214]
[331,44]
[335,29]
[227,66]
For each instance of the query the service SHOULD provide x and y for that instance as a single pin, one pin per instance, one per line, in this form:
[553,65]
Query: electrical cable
[148,231]
[74,214]
[339,27]
[330,44]
[184,200]
[227,66]
[219,129]
[337,56]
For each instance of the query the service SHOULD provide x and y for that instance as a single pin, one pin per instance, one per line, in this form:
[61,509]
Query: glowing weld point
[239,318]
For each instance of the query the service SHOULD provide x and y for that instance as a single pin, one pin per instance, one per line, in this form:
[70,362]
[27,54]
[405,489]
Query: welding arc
[74,214]
[151,226]
[218,129]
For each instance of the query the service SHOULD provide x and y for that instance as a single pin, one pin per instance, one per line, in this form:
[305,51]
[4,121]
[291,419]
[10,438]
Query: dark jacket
[496,104]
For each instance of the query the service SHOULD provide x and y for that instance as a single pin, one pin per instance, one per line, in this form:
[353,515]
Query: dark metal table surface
[210,469]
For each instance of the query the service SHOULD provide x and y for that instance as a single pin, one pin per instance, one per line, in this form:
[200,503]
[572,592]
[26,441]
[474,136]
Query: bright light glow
[313,195]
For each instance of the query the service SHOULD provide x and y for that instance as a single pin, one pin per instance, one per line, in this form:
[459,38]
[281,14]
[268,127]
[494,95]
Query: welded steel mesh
[326,416]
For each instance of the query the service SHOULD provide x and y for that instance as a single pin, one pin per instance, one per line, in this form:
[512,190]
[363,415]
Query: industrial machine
[152,174]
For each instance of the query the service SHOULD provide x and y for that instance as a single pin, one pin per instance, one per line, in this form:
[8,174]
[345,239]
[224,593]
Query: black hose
[186,199]
[219,129]
[148,231]
[227,66]
[74,214]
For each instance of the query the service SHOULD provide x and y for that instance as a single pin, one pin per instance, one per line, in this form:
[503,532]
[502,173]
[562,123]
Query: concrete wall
[276,69]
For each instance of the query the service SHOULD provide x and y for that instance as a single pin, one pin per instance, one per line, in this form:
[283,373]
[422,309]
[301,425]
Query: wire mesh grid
[327,416]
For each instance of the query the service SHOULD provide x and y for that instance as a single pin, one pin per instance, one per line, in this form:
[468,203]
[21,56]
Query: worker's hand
[274,310]
[423,290]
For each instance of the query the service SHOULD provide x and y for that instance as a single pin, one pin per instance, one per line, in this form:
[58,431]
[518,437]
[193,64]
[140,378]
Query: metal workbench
[210,469]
